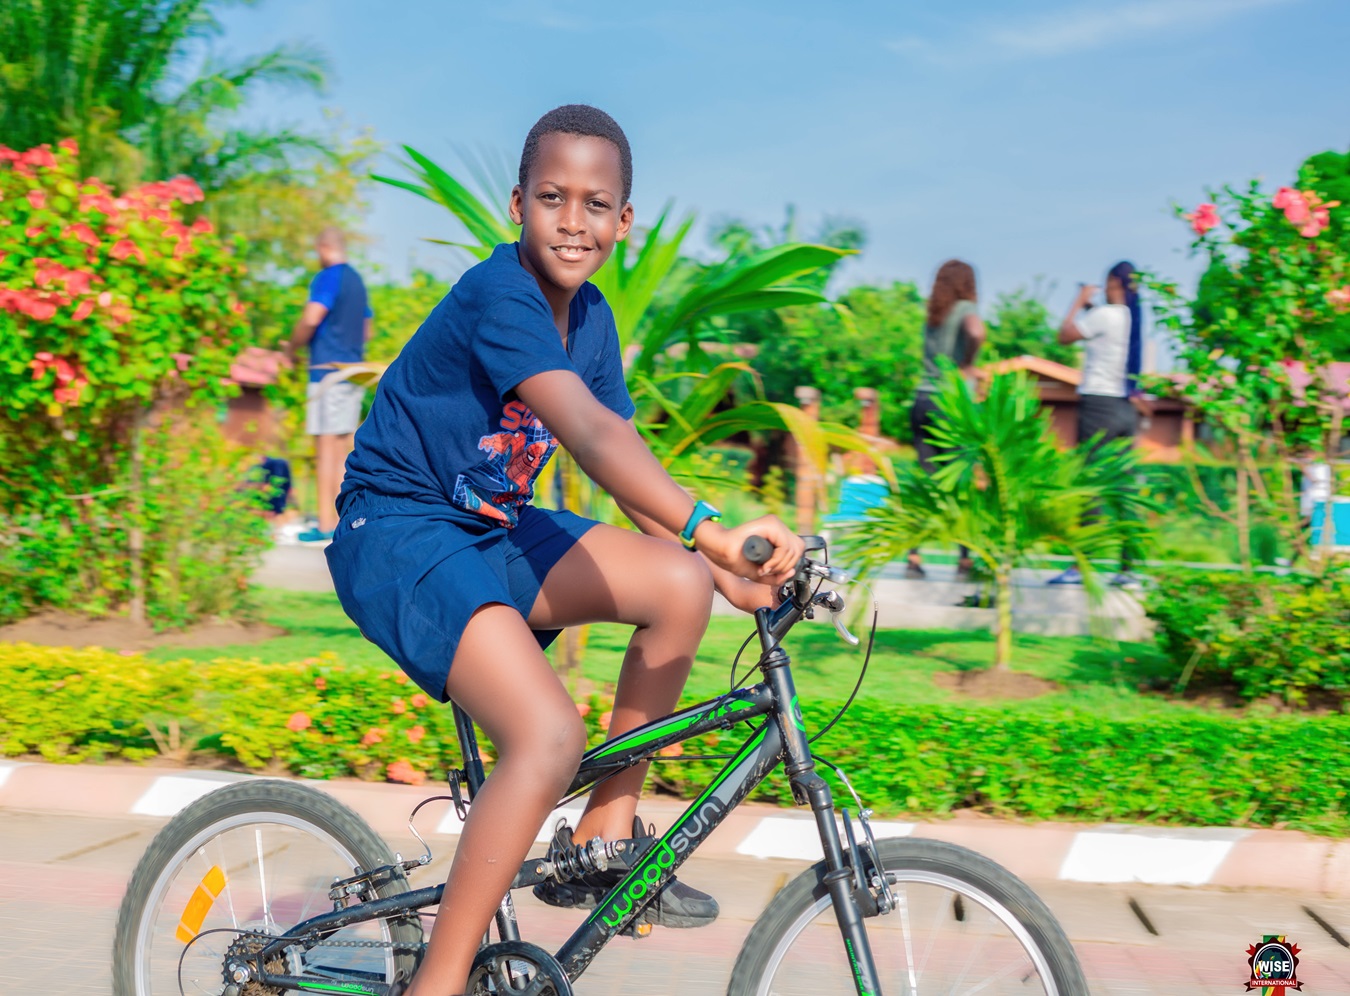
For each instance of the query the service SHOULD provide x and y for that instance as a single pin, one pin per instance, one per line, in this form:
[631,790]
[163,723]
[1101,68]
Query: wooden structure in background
[1161,437]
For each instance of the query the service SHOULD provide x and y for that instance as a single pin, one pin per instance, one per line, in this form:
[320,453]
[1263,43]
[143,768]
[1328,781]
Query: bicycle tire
[280,819]
[909,862]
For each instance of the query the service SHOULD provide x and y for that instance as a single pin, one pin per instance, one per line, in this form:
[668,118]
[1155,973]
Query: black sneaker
[677,905]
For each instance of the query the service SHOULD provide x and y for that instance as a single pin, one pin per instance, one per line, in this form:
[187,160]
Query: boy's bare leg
[502,679]
[613,575]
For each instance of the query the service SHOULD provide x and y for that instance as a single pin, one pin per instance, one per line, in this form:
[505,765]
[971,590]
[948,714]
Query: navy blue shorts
[410,574]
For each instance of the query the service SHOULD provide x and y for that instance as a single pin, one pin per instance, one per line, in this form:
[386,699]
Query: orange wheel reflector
[203,897]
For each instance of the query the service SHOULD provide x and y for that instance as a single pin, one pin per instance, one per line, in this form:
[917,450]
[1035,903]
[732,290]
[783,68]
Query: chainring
[517,968]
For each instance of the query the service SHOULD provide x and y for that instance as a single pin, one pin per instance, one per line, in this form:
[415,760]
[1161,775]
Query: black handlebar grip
[757,550]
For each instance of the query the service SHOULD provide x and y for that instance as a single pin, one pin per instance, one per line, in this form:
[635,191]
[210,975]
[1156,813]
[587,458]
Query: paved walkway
[63,876]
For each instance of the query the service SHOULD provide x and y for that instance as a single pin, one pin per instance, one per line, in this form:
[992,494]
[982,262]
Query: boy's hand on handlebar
[724,548]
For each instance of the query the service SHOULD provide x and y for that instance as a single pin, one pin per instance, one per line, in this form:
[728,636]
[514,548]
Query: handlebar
[758,550]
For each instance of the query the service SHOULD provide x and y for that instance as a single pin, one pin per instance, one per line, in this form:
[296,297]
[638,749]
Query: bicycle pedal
[637,930]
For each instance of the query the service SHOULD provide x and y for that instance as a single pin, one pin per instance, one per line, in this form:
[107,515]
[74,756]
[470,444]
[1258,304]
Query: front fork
[841,878]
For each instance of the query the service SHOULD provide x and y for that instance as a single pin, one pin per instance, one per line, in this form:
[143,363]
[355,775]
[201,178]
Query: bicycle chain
[243,948]
[300,939]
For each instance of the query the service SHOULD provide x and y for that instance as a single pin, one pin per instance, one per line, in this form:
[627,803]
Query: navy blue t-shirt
[446,426]
[341,336]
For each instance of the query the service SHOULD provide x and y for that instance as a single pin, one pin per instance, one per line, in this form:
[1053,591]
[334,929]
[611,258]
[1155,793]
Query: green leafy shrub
[119,319]
[1286,637]
[320,718]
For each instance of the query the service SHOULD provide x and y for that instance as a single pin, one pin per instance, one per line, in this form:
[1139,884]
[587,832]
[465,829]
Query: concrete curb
[1217,857]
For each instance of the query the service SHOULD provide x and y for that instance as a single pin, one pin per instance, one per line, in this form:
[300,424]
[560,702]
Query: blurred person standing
[1109,399]
[335,325]
[953,330]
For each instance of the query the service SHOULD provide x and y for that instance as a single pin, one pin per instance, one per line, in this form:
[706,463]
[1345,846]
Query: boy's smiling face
[572,212]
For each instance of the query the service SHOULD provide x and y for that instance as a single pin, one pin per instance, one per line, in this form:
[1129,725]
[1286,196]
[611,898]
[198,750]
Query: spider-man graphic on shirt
[497,487]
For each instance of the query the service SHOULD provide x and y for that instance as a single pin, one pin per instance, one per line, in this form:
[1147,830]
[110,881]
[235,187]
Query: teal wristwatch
[702,513]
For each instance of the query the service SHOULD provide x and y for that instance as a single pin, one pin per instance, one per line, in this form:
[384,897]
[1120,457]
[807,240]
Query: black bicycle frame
[782,737]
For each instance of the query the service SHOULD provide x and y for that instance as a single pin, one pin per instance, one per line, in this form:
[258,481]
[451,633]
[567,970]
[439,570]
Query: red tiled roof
[1032,364]
[256,367]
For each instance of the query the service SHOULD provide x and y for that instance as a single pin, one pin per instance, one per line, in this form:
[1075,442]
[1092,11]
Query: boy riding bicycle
[443,562]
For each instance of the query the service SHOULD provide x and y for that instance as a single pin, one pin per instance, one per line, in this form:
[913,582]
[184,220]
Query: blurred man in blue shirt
[335,325]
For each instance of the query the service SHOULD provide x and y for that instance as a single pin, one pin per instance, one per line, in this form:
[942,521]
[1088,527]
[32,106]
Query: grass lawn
[1100,676]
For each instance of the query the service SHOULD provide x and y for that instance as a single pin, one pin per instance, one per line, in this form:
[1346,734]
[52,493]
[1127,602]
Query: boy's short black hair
[579,119]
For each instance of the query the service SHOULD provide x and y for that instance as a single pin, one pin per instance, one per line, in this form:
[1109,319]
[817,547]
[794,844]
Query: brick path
[61,878]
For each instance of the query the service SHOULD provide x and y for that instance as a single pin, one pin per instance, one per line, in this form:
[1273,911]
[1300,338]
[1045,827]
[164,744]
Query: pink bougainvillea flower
[85,309]
[66,395]
[1203,218]
[399,707]
[81,233]
[105,299]
[97,204]
[417,733]
[185,189]
[583,708]
[400,678]
[202,226]
[181,361]
[298,721]
[321,683]
[1339,297]
[372,737]
[419,700]
[1318,222]
[33,231]
[8,155]
[77,281]
[402,771]
[1294,204]
[37,198]
[43,309]
[70,145]
[125,248]
[40,156]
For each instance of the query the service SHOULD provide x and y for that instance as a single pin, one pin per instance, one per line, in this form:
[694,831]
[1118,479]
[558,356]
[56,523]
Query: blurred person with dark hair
[1109,398]
[953,330]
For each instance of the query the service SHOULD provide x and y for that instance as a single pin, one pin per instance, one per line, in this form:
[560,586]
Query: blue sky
[1033,139]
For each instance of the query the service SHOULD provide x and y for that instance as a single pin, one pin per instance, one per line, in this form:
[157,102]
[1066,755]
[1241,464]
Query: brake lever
[833,601]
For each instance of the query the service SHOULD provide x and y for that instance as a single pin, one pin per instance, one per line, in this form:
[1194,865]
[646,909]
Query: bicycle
[226,900]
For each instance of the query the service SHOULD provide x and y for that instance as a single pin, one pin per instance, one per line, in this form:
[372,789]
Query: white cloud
[1082,28]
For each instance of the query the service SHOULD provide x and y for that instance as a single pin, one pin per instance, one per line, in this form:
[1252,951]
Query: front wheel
[248,860]
[961,924]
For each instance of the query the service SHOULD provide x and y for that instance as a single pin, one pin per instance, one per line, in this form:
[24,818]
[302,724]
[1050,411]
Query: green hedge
[1287,637]
[317,718]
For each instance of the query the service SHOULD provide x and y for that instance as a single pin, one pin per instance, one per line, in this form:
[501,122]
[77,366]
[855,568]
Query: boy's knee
[688,581]
[561,743]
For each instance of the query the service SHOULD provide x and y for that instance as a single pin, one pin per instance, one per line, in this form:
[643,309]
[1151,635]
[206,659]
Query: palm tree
[1004,490]
[105,73]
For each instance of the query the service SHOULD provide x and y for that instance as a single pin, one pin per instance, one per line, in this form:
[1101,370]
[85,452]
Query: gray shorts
[334,409]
